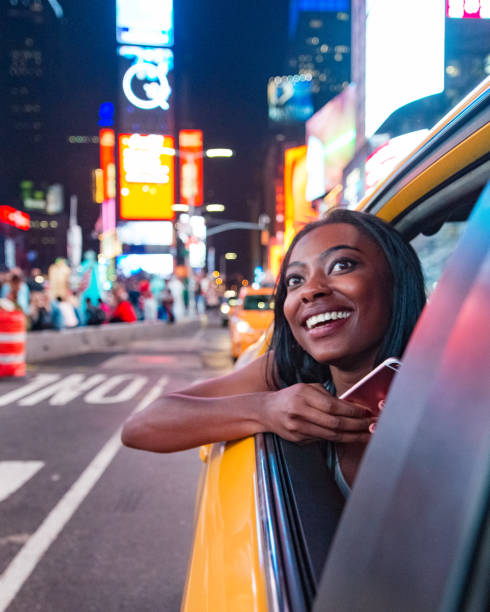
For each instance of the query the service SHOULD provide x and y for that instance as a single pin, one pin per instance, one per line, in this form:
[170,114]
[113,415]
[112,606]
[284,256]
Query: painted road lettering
[40,381]
[98,389]
[100,395]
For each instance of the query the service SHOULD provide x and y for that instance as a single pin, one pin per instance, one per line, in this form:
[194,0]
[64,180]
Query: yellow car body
[250,555]
[250,318]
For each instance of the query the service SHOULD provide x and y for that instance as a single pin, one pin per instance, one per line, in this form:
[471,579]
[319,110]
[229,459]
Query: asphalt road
[86,524]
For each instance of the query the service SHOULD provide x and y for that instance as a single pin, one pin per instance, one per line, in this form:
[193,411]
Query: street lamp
[219,153]
[215,207]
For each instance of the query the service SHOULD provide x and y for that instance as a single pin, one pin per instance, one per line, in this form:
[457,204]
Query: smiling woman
[348,295]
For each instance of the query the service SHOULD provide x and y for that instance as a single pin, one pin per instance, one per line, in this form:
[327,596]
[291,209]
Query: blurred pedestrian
[35,280]
[168,304]
[106,309]
[69,317]
[124,311]
[16,290]
[176,287]
[94,314]
[40,314]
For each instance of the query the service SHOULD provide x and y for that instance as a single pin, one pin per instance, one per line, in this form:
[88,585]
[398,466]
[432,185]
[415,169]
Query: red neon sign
[14,217]
[107,163]
[191,153]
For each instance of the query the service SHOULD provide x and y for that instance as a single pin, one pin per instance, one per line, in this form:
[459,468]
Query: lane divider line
[26,560]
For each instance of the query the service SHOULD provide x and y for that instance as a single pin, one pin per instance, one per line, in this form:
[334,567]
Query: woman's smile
[339,289]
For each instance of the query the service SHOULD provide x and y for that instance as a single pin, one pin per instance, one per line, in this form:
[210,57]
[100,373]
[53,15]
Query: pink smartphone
[371,391]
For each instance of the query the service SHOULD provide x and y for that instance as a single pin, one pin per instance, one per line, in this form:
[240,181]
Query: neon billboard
[330,136]
[146,89]
[146,176]
[191,173]
[107,163]
[145,22]
[290,98]
[297,209]
[401,67]
[15,218]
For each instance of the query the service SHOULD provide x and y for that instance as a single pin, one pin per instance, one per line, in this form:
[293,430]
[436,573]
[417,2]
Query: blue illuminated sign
[145,22]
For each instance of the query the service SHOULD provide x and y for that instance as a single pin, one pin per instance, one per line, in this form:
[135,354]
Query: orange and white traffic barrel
[12,342]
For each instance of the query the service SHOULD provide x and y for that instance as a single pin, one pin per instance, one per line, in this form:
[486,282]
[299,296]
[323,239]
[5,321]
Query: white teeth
[326,316]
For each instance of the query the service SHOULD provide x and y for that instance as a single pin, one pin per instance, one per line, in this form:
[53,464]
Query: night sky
[224,54]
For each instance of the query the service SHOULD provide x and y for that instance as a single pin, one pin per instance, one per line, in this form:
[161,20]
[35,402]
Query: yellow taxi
[251,316]
[273,532]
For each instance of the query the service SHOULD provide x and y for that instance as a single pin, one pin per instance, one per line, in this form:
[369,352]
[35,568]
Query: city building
[320,46]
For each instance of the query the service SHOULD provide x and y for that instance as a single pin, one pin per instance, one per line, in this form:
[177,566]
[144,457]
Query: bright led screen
[145,22]
[404,55]
[290,98]
[145,90]
[157,233]
[297,209]
[158,264]
[330,136]
[146,176]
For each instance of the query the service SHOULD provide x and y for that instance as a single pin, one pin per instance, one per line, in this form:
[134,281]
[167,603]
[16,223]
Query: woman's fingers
[307,431]
[305,411]
[334,422]
[315,395]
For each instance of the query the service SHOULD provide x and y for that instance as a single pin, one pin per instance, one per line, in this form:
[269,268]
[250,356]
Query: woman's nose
[316,286]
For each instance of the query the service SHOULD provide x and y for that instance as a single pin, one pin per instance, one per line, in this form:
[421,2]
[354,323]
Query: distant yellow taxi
[251,317]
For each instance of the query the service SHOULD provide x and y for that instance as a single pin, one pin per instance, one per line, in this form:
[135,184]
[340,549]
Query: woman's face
[339,296]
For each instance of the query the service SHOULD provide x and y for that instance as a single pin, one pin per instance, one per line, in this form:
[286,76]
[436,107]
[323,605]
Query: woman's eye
[293,280]
[342,265]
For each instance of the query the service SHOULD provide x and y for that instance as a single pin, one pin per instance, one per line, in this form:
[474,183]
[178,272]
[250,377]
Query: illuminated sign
[146,184]
[145,83]
[297,209]
[14,217]
[158,264]
[108,215]
[401,68]
[330,136]
[107,162]
[290,98]
[146,89]
[159,233]
[145,22]
[468,9]
[191,179]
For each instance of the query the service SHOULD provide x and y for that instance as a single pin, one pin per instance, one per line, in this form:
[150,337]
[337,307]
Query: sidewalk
[53,344]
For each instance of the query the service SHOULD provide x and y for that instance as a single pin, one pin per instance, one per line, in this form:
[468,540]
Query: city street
[87,524]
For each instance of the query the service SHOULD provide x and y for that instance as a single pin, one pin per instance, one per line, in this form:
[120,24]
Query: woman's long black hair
[292,363]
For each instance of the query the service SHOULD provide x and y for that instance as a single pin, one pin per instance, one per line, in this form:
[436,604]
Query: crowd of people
[140,297]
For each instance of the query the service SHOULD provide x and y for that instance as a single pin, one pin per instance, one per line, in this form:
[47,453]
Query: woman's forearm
[179,421]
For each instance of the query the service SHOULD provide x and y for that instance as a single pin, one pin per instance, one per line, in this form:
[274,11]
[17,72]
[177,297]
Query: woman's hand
[307,412]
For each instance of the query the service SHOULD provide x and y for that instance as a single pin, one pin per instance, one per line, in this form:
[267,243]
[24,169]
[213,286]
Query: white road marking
[14,474]
[64,390]
[40,381]
[99,394]
[23,564]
